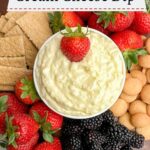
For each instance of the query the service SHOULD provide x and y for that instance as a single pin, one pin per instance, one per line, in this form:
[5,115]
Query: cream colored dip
[80,88]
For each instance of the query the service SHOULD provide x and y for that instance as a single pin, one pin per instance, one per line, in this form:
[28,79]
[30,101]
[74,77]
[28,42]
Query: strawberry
[75,45]
[20,129]
[116,21]
[127,40]
[85,15]
[25,91]
[92,23]
[27,146]
[59,20]
[49,121]
[10,104]
[141,23]
[56,145]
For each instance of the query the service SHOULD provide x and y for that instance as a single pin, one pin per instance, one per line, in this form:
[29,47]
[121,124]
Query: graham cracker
[3,21]
[9,75]
[1,34]
[12,46]
[30,49]
[15,15]
[36,27]
[6,88]
[10,23]
[18,62]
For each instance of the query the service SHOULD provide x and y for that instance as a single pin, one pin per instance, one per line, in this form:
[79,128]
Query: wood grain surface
[3,6]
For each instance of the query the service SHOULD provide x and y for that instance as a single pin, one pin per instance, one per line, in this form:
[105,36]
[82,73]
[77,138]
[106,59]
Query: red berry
[53,118]
[25,91]
[28,146]
[121,22]
[56,145]
[71,19]
[75,48]
[85,15]
[92,23]
[22,127]
[141,23]
[127,40]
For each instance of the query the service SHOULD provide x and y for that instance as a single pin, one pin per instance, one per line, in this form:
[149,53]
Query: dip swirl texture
[80,88]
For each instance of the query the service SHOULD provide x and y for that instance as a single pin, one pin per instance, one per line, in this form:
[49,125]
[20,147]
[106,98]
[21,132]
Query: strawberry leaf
[37,117]
[28,89]
[56,22]
[131,57]
[3,103]
[48,137]
[3,140]
[11,131]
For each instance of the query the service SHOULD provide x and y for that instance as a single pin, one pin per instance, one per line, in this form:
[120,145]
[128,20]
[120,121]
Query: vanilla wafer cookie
[15,15]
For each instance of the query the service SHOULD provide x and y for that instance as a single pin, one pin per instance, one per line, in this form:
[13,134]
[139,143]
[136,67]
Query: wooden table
[3,6]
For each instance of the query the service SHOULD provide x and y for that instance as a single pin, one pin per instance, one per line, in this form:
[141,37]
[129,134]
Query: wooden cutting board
[3,6]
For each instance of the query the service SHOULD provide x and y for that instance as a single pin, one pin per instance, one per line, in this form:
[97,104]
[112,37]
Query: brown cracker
[6,88]
[12,46]
[10,23]
[15,15]
[30,50]
[9,75]
[3,21]
[1,35]
[18,62]
[36,27]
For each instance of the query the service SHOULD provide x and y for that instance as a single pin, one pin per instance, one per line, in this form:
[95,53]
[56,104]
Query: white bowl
[73,116]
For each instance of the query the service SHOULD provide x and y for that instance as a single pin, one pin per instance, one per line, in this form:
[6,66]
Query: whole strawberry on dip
[79,72]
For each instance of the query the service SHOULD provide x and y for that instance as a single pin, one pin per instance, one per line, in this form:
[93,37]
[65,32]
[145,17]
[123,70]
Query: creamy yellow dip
[80,88]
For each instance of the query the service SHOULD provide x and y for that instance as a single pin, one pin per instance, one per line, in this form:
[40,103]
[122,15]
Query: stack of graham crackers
[21,35]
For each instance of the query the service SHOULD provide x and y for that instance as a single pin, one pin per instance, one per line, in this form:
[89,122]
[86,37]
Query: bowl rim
[73,116]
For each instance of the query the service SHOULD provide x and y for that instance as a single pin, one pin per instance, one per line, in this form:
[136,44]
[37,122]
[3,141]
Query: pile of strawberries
[124,28]
[26,123]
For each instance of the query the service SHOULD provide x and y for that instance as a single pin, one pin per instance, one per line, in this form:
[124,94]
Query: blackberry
[126,147]
[92,123]
[95,146]
[68,130]
[72,143]
[110,118]
[68,121]
[137,141]
[104,128]
[120,132]
[91,137]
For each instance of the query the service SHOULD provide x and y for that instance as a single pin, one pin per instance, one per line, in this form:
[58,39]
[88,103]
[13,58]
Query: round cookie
[144,61]
[120,107]
[135,67]
[145,131]
[148,75]
[140,120]
[125,120]
[145,94]
[147,45]
[137,107]
[139,75]
[148,110]
[132,86]
[128,75]
[128,98]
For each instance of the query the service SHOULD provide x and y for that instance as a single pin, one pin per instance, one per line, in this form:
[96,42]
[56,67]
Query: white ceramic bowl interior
[72,116]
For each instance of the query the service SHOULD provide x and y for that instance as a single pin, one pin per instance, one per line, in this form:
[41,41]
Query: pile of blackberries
[102,132]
